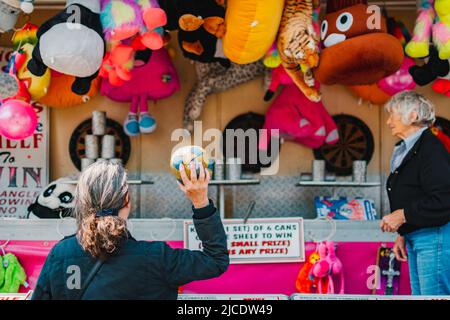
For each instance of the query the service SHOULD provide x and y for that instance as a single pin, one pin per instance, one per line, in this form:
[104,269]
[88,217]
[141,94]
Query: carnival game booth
[136,79]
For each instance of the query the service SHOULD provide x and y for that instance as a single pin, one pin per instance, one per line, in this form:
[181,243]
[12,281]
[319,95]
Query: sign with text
[258,241]
[24,168]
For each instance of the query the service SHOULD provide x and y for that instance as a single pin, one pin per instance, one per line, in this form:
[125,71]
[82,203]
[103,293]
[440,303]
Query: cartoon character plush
[56,201]
[252,27]
[442,85]
[298,45]
[299,119]
[356,51]
[433,22]
[201,27]
[71,43]
[12,274]
[213,78]
[153,78]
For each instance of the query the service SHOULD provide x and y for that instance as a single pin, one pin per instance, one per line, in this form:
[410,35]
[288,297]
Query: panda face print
[348,23]
[57,195]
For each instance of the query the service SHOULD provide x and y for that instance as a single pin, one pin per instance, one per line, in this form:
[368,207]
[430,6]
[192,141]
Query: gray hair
[406,102]
[102,185]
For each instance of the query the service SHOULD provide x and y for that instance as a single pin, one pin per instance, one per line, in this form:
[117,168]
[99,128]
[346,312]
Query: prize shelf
[221,189]
[337,184]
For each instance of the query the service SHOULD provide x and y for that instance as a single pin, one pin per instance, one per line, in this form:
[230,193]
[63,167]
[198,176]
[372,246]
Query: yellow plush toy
[251,28]
[37,86]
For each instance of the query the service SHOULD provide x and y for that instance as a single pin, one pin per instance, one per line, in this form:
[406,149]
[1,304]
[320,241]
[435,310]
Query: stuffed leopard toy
[214,78]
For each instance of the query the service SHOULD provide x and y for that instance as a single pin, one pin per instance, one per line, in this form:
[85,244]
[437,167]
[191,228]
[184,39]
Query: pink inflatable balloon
[399,81]
[18,120]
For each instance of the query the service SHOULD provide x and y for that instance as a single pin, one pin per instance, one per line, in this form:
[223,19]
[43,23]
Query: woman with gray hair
[419,194]
[103,261]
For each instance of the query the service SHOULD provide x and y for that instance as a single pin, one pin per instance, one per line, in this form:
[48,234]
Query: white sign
[23,164]
[242,297]
[258,241]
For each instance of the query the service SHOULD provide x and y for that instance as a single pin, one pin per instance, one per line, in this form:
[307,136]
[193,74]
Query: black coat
[139,269]
[421,185]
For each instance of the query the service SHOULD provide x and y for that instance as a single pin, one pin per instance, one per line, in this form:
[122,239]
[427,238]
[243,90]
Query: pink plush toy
[399,81]
[152,80]
[279,77]
[299,119]
[328,266]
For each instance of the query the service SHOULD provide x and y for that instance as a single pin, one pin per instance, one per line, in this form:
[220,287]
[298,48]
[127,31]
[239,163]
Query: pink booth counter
[357,246]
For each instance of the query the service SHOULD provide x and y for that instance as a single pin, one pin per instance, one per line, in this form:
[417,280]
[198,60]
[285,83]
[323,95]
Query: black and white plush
[56,201]
[71,43]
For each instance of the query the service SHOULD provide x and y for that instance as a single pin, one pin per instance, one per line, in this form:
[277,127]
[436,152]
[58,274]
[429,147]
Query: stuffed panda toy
[56,201]
[71,43]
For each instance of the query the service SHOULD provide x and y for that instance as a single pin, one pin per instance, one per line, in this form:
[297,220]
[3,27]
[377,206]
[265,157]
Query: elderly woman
[419,194]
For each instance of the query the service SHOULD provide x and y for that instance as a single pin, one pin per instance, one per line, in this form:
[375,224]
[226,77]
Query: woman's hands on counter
[195,188]
[393,221]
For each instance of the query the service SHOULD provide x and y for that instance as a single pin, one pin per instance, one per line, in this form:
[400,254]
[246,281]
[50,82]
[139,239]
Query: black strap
[89,279]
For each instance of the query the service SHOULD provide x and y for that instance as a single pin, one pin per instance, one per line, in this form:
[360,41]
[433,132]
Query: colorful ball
[185,156]
[18,120]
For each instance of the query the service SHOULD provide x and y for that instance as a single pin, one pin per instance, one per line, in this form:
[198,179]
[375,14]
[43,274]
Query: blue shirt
[402,149]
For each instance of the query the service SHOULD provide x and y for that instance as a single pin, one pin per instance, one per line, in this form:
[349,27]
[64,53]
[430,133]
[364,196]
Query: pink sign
[277,278]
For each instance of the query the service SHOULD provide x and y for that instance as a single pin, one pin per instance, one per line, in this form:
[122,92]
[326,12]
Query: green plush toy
[12,274]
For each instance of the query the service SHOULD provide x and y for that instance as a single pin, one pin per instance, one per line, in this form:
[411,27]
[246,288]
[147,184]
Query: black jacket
[421,185]
[139,269]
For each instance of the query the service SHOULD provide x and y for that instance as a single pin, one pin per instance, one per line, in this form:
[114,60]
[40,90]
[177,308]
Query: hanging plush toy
[56,201]
[71,43]
[304,283]
[328,266]
[153,78]
[278,77]
[431,70]
[252,27]
[13,273]
[442,85]
[356,51]
[298,45]
[299,119]
[214,78]
[433,22]
[60,95]
[129,26]
[201,27]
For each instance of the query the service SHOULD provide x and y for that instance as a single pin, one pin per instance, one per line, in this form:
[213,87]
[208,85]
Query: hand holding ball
[193,170]
[186,156]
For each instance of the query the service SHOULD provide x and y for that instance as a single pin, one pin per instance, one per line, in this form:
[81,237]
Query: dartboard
[77,141]
[355,143]
[249,121]
[443,124]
